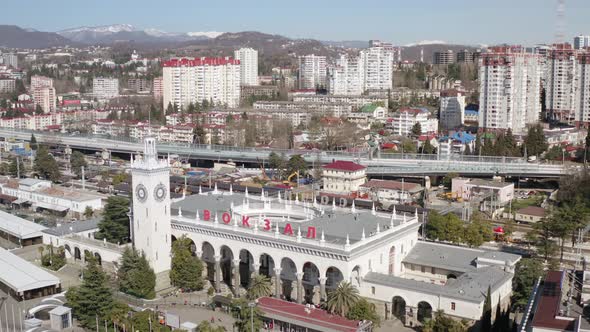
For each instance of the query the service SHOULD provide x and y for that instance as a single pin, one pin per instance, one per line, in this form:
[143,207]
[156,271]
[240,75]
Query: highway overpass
[380,164]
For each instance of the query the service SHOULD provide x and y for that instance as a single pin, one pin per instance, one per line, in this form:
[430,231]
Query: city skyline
[347,20]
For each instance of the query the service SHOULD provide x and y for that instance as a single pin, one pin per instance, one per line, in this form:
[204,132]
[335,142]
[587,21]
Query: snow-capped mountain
[208,34]
[127,32]
[427,42]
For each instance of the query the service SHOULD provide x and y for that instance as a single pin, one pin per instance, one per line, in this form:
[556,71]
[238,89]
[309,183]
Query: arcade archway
[398,308]
[289,279]
[424,311]
[311,283]
[246,267]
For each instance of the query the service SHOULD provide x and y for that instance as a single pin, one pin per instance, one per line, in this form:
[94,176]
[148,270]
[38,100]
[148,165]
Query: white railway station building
[307,249]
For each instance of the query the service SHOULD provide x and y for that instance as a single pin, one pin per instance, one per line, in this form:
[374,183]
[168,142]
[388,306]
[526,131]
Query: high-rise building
[43,93]
[312,71]
[444,58]
[377,62]
[346,78]
[581,42]
[10,59]
[215,80]
[371,70]
[158,88]
[105,88]
[467,56]
[452,109]
[510,86]
[567,89]
[248,58]
[7,85]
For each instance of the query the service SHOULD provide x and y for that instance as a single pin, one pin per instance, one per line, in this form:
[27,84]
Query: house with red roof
[343,177]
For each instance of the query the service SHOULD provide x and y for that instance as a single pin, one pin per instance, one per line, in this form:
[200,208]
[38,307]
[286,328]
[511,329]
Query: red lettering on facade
[206,215]
[311,232]
[267,224]
[288,230]
[226,217]
[245,220]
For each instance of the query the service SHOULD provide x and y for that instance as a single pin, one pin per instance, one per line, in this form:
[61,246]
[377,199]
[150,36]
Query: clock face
[141,192]
[160,192]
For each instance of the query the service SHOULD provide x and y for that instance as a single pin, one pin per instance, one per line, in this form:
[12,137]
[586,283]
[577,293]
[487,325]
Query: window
[373,290]
[452,305]
[423,269]
[433,270]
[65,321]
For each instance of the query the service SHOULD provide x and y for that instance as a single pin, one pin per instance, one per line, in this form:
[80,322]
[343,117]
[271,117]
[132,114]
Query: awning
[20,201]
[50,206]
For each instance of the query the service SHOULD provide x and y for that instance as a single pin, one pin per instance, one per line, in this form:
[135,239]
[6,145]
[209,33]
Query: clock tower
[150,219]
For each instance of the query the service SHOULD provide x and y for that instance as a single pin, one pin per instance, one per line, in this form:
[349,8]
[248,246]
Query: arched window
[392,260]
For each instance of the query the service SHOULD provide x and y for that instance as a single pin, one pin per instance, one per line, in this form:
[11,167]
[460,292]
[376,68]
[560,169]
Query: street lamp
[251,305]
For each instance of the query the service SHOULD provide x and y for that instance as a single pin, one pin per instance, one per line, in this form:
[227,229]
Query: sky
[400,22]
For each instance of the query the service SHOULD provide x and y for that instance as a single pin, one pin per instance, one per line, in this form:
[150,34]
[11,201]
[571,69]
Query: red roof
[293,312]
[548,307]
[430,137]
[345,166]
[186,62]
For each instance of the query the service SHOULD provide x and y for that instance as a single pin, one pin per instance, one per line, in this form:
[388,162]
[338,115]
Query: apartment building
[444,57]
[468,56]
[7,85]
[158,88]
[248,58]
[567,85]
[43,93]
[357,102]
[452,109]
[312,71]
[216,80]
[139,85]
[105,88]
[326,108]
[52,121]
[10,60]
[510,89]
[377,62]
[581,42]
[347,76]
[402,121]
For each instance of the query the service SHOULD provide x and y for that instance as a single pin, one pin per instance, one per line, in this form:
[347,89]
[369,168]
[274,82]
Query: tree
[38,109]
[364,310]
[486,318]
[342,299]
[93,298]
[46,165]
[408,146]
[77,161]
[136,277]
[260,286]
[428,148]
[88,212]
[17,167]
[277,162]
[55,258]
[587,146]
[147,320]
[534,141]
[297,164]
[114,226]
[417,129]
[448,179]
[554,153]
[186,270]
[541,235]
[247,316]
[444,228]
[444,323]
[528,271]
[205,326]
[33,142]
[478,231]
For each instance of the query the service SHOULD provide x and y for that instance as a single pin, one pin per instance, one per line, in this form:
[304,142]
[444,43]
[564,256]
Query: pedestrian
[212,319]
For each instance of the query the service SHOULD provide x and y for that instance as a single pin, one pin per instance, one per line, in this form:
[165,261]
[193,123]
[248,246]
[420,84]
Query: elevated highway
[377,163]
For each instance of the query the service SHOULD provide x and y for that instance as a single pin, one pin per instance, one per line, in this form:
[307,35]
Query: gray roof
[30,181]
[474,277]
[74,227]
[19,227]
[20,275]
[470,286]
[335,224]
[454,258]
[60,310]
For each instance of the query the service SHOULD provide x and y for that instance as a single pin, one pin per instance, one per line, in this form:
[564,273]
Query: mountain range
[208,42]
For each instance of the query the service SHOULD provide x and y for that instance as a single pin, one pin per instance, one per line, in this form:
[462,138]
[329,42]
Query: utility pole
[17,167]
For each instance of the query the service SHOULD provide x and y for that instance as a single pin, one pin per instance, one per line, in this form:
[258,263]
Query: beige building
[530,214]
[343,177]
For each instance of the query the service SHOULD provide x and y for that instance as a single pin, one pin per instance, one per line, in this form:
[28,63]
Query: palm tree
[342,298]
[259,287]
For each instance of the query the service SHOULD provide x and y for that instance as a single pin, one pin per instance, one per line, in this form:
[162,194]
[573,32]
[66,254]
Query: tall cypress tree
[486,317]
[136,277]
[498,319]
